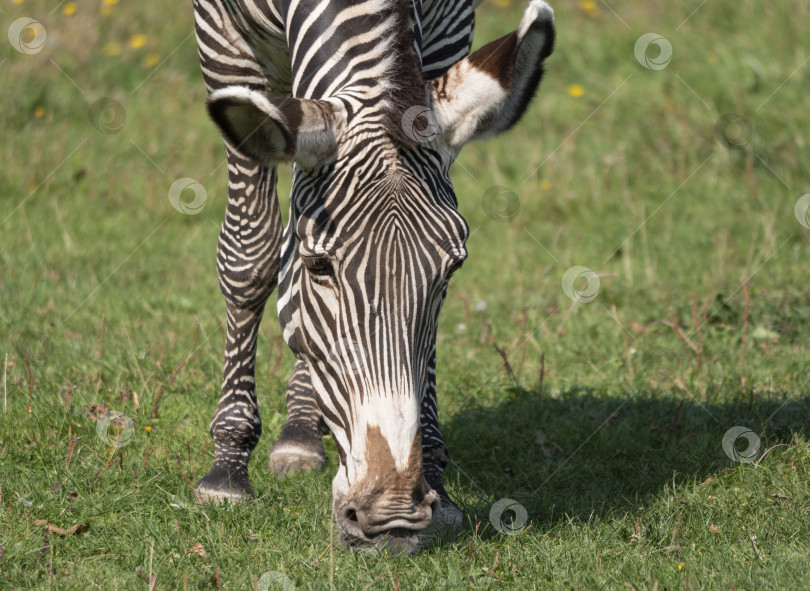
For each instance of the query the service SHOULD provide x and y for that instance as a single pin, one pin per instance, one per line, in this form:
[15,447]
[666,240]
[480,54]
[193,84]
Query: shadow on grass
[582,454]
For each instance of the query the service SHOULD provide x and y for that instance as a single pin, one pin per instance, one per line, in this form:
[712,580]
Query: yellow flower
[18,1]
[589,7]
[106,10]
[39,111]
[148,429]
[111,49]
[109,2]
[151,60]
[69,8]
[137,41]
[576,91]
[681,565]
[545,185]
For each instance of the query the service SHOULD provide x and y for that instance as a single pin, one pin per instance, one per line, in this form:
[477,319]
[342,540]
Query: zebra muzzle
[387,525]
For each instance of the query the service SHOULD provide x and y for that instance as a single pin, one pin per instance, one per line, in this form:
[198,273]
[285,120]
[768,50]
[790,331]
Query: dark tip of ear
[217,109]
[252,139]
[551,37]
[523,96]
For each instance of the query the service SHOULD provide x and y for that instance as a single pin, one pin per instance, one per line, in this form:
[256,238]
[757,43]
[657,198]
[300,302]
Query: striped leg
[247,261]
[299,447]
[249,246]
[435,456]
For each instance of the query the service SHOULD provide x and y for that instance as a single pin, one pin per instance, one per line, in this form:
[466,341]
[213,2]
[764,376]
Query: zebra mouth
[398,540]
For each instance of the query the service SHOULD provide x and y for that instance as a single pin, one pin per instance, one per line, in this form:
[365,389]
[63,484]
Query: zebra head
[373,239]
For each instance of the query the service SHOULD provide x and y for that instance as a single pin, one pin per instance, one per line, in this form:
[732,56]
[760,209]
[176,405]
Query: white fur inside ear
[475,97]
[538,11]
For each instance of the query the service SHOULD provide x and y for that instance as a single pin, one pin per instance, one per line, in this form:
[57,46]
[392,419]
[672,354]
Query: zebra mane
[406,84]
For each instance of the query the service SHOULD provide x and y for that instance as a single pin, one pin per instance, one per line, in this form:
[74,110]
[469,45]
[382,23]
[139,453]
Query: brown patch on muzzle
[388,498]
[381,464]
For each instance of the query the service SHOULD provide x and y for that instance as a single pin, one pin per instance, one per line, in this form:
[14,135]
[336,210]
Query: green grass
[610,434]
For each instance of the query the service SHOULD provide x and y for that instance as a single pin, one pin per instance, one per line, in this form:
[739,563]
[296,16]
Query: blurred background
[641,238]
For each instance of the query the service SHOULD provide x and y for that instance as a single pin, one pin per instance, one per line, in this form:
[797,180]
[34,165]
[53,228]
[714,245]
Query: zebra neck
[363,53]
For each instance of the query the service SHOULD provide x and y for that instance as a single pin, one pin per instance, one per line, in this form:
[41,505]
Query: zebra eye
[320,266]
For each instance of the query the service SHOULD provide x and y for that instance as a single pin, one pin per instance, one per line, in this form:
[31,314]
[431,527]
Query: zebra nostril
[350,514]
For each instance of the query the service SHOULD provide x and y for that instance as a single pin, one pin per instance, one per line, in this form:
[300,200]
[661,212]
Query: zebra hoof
[286,459]
[450,516]
[447,520]
[220,485]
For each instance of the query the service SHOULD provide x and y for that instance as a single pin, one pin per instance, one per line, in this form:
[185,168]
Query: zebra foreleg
[435,456]
[247,262]
[300,447]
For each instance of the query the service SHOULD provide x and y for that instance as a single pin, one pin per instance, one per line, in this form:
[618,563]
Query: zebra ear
[274,129]
[487,92]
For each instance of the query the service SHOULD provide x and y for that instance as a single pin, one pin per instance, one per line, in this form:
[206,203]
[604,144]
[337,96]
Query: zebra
[371,101]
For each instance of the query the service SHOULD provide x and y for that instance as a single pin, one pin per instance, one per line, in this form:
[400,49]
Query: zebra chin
[394,541]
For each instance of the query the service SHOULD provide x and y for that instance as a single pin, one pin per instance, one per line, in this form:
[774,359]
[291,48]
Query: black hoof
[297,450]
[447,520]
[220,484]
